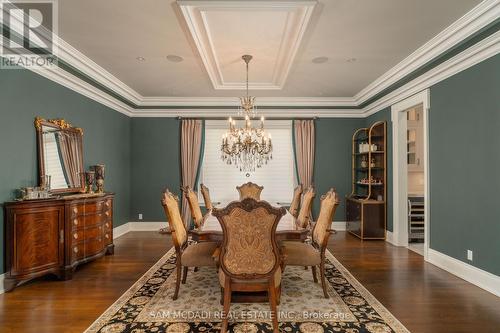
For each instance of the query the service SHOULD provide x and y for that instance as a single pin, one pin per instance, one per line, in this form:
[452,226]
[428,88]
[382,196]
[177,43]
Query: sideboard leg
[110,250]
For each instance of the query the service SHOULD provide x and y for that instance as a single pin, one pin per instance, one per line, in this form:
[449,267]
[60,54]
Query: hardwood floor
[423,297]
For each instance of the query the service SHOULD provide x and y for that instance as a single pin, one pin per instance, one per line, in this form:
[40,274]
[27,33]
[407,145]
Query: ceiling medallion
[247,148]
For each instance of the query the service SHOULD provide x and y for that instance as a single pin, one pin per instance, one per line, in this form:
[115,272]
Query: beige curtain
[69,149]
[191,136]
[304,151]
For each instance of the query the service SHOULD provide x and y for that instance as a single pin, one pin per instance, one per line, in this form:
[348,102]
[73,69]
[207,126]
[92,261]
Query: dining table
[287,229]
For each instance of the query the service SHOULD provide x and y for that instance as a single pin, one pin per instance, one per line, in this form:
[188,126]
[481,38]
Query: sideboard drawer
[87,208]
[94,246]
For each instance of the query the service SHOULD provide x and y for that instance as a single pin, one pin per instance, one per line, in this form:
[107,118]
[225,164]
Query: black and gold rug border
[387,316]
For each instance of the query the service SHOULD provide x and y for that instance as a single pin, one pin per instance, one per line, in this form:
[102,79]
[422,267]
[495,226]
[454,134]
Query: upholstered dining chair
[303,254]
[294,206]
[194,206]
[194,255]
[304,216]
[250,190]
[206,197]
[249,257]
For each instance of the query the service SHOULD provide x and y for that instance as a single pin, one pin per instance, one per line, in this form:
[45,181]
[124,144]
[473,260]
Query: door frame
[400,168]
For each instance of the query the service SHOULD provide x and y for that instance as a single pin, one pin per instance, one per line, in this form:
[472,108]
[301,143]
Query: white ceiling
[378,34]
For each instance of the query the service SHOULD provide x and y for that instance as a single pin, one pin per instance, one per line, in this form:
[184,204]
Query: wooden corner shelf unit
[366,206]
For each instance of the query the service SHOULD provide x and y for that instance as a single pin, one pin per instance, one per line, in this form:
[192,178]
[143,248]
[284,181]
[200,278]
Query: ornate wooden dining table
[211,230]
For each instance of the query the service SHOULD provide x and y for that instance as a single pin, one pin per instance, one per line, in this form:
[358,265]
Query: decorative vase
[99,177]
[89,181]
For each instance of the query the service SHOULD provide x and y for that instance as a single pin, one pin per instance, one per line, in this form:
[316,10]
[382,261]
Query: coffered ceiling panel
[270,31]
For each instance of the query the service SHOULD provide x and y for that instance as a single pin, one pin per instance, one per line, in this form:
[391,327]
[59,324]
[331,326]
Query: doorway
[410,176]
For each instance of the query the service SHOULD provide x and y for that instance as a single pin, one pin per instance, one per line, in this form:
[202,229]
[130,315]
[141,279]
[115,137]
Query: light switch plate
[469,255]
[140,216]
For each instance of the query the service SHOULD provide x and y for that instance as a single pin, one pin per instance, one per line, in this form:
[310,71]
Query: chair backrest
[170,204]
[206,197]
[329,204]
[249,248]
[194,206]
[294,206]
[304,216]
[250,190]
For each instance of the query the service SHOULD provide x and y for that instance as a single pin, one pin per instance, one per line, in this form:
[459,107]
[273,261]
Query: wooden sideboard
[54,236]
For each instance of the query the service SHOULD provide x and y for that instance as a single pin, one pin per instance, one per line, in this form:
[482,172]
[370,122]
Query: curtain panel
[68,146]
[304,145]
[191,151]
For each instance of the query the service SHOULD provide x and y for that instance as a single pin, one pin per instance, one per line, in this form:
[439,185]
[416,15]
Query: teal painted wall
[24,95]
[464,159]
[332,162]
[155,165]
[385,115]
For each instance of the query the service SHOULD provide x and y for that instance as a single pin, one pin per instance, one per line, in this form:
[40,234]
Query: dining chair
[303,254]
[295,204]
[250,259]
[250,190]
[194,255]
[194,206]
[206,197]
[304,216]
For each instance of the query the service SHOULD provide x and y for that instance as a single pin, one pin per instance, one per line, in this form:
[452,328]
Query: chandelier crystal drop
[246,147]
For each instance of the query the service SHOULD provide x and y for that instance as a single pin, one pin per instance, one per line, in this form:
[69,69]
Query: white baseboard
[147,226]
[137,226]
[482,279]
[2,276]
[389,237]
[339,225]
[121,230]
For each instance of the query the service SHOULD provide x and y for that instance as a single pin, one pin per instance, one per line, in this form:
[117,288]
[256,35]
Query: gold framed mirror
[60,156]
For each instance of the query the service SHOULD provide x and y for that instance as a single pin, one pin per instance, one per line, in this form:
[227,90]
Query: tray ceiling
[361,40]
[271,31]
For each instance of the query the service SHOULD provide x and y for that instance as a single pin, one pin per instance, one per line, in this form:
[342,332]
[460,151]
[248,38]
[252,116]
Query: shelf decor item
[99,177]
[89,181]
[366,205]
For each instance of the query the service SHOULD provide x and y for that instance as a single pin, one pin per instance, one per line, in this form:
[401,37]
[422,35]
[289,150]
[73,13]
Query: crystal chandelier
[247,148]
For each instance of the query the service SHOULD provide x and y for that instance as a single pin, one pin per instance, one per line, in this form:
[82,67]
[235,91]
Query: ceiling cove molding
[479,17]
[261,101]
[298,13]
[481,51]
[78,85]
[268,113]
[89,68]
[474,21]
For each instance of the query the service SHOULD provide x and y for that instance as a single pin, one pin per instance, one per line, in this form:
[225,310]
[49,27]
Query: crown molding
[263,101]
[89,68]
[473,21]
[479,17]
[477,53]
[268,113]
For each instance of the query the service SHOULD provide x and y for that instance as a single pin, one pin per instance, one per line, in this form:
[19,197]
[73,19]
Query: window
[53,167]
[277,176]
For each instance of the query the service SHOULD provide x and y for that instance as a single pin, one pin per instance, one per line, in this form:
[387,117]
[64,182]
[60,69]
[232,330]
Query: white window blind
[53,167]
[277,176]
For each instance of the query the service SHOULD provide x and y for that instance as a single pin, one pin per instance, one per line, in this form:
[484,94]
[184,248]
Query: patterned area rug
[148,306]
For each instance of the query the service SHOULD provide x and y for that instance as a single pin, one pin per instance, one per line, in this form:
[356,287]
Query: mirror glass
[61,158]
